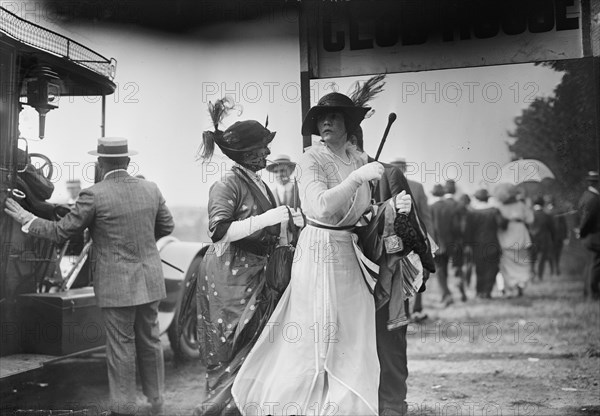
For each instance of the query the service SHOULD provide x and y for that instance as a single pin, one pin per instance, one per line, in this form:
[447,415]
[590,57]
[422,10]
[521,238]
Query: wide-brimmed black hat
[334,102]
[243,136]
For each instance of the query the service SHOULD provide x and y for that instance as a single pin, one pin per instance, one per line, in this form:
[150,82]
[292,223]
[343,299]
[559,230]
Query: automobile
[48,310]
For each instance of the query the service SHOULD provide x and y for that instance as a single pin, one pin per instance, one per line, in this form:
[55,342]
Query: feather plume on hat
[217,112]
[362,94]
[354,107]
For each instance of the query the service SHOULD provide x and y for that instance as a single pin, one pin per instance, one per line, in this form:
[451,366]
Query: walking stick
[391,119]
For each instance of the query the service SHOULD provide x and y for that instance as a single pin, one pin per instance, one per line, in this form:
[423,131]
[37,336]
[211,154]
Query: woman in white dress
[317,354]
[514,239]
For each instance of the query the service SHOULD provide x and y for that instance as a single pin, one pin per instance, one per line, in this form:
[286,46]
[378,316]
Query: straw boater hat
[592,176]
[112,147]
[281,160]
[398,161]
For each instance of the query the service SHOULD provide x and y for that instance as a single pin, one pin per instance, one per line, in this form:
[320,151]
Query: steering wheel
[45,167]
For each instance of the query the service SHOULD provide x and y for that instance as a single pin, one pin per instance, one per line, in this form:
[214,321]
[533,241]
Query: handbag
[278,271]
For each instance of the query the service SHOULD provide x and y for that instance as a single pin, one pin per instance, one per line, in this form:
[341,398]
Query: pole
[391,119]
[103,121]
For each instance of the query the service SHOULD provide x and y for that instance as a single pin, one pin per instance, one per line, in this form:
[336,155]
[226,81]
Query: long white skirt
[318,354]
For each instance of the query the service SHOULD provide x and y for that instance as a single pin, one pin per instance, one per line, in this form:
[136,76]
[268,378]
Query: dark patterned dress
[232,299]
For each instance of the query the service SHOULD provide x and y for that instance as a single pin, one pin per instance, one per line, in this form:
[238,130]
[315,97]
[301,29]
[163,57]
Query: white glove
[297,217]
[271,217]
[243,228]
[15,210]
[368,172]
[403,203]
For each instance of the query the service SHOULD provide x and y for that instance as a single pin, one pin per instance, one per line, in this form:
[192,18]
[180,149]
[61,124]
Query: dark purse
[278,271]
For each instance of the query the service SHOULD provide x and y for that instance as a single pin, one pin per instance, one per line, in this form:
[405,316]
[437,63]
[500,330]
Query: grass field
[534,355]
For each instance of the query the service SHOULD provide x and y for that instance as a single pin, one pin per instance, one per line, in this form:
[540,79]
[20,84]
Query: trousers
[133,341]
[391,349]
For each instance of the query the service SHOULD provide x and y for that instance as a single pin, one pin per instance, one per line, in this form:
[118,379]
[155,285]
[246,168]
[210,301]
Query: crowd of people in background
[503,238]
[506,238]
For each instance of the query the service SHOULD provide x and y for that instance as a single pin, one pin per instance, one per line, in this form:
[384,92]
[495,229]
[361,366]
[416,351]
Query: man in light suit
[125,217]
[285,191]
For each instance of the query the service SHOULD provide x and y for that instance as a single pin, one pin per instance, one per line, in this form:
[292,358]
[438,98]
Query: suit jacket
[422,206]
[589,223]
[290,195]
[444,214]
[393,182]
[125,216]
[481,233]
[542,230]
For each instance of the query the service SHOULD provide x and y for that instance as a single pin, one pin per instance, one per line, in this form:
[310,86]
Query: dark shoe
[156,408]
[463,294]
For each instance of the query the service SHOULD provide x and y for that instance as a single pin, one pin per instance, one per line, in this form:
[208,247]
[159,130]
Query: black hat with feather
[354,108]
[238,139]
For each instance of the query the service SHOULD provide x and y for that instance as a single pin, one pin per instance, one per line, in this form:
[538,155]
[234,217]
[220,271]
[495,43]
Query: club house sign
[362,37]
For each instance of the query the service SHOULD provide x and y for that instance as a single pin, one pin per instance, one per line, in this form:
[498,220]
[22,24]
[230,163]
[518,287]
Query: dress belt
[329,227]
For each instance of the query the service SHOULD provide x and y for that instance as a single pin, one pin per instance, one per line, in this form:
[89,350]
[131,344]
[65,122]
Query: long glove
[370,171]
[329,201]
[243,228]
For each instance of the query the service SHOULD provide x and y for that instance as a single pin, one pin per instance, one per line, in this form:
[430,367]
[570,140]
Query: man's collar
[113,171]
[593,190]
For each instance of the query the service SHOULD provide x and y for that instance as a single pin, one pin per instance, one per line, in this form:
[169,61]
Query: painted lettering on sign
[368,37]
[410,23]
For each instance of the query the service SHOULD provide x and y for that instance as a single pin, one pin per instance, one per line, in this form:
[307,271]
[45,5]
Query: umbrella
[525,170]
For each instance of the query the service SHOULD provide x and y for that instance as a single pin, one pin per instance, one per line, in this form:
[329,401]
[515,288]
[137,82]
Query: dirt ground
[535,355]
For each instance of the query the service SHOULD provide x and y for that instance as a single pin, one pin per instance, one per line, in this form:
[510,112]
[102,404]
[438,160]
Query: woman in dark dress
[233,301]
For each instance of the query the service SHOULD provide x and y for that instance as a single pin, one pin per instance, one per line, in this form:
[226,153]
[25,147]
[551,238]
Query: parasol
[525,170]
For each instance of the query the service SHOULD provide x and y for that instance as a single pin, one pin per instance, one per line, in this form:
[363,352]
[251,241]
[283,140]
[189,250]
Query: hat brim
[309,125]
[273,165]
[237,154]
[96,153]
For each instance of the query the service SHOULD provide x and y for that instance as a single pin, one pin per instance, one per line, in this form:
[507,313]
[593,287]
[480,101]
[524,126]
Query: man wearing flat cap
[125,217]
[285,190]
[589,231]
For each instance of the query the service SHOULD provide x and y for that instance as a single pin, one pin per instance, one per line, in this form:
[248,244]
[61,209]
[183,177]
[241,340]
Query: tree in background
[559,130]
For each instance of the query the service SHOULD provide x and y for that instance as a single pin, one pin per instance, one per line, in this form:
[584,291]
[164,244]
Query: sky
[451,124]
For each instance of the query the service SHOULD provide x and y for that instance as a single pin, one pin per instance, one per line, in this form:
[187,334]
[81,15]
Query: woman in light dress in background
[514,239]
